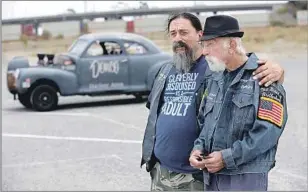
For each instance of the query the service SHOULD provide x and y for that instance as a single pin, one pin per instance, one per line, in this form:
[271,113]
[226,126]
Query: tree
[72,11]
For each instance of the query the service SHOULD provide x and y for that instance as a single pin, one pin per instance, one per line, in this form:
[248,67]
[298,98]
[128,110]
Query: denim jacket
[256,115]
[154,104]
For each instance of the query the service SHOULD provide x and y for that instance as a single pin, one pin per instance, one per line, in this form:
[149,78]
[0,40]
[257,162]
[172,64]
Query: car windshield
[78,47]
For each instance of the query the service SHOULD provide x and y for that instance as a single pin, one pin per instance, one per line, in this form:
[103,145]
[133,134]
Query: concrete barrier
[159,24]
[65,28]
[302,17]
[107,26]
[11,32]
[142,25]
[145,25]
[253,19]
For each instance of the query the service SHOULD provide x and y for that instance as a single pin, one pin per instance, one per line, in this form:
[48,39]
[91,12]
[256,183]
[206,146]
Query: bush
[46,35]
[258,39]
[282,10]
[59,36]
[277,24]
[24,38]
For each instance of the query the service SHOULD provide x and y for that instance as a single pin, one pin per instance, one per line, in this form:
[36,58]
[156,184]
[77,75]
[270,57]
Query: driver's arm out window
[95,49]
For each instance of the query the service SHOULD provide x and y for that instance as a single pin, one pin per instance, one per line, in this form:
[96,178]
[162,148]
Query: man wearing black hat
[173,105]
[241,121]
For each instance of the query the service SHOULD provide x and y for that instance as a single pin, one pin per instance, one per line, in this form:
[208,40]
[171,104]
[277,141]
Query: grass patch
[271,34]
[259,39]
[255,39]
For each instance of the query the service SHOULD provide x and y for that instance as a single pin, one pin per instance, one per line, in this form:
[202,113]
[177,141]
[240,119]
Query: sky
[19,9]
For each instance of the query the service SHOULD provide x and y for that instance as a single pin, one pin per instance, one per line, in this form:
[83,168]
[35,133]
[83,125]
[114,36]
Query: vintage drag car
[95,64]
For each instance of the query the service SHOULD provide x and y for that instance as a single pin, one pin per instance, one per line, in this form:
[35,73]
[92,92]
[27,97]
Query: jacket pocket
[243,114]
[243,107]
[242,100]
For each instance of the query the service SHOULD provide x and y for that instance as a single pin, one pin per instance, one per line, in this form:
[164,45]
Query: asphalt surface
[95,143]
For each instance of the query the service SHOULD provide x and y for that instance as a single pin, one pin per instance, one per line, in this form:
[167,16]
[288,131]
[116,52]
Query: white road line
[70,138]
[125,125]
[80,114]
[113,156]
[61,114]
[275,173]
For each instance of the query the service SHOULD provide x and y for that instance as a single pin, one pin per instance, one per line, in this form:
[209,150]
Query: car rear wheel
[138,96]
[44,98]
[24,99]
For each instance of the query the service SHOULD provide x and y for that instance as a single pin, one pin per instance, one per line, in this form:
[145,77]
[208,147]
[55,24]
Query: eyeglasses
[201,43]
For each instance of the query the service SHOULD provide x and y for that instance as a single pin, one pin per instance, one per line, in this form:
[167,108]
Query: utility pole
[85,6]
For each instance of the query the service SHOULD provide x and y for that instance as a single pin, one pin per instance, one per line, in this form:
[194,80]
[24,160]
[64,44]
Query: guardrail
[139,12]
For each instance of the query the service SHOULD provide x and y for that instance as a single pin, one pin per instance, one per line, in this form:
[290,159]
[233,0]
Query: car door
[103,67]
[140,61]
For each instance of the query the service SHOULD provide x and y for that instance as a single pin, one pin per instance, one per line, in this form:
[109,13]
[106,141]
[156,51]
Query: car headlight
[16,73]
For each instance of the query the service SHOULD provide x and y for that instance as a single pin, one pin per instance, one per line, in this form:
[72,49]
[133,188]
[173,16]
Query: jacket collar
[251,64]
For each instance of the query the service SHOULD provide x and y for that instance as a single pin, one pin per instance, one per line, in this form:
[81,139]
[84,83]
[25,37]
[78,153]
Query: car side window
[113,48]
[95,49]
[134,48]
[104,48]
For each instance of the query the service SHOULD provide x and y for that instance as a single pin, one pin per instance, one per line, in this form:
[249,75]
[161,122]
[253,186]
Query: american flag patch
[271,110]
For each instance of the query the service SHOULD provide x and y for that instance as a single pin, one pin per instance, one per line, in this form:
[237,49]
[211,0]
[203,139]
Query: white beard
[215,64]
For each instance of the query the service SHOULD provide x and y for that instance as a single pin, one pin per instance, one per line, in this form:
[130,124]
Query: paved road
[95,143]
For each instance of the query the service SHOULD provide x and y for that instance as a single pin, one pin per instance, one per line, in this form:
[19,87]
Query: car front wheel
[24,99]
[44,98]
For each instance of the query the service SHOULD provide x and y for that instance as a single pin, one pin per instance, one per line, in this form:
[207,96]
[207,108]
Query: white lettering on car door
[100,67]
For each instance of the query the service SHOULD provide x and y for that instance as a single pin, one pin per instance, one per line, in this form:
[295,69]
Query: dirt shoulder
[287,41]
